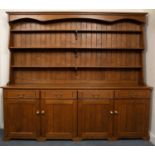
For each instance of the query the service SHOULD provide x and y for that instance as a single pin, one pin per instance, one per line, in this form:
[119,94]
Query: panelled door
[95,119]
[21,118]
[131,118]
[59,114]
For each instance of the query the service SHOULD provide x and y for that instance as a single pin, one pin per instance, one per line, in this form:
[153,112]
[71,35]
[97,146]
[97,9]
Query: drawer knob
[96,96]
[133,95]
[43,112]
[37,112]
[111,112]
[58,95]
[20,96]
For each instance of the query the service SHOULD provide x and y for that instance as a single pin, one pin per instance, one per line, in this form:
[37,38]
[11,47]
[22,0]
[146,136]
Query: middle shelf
[78,67]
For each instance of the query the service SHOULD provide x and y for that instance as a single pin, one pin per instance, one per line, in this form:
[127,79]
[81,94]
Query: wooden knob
[20,95]
[43,112]
[116,112]
[37,112]
[111,112]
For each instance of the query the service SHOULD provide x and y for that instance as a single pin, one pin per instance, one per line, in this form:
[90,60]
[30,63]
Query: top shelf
[76,31]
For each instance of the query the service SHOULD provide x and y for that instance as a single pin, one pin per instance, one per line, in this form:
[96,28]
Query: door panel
[132,118]
[94,119]
[21,120]
[60,119]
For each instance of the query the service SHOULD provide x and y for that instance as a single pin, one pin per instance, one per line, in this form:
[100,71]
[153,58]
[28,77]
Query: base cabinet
[76,114]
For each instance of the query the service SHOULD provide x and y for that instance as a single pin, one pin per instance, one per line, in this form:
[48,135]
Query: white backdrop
[150,59]
[4,57]
[150,67]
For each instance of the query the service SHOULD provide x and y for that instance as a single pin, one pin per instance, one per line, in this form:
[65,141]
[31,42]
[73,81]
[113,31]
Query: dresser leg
[76,139]
[6,138]
[40,139]
[146,138]
[112,138]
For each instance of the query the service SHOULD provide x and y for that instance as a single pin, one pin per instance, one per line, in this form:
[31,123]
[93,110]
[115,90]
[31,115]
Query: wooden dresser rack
[76,75]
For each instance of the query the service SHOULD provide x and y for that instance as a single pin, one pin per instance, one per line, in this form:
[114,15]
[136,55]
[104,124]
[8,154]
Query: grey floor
[72,143]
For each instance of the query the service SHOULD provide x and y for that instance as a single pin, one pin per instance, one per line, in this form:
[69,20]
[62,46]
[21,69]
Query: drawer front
[96,102]
[132,94]
[21,94]
[95,94]
[58,102]
[59,94]
[131,101]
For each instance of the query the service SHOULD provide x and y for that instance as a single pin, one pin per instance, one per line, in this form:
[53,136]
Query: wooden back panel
[76,50]
[90,34]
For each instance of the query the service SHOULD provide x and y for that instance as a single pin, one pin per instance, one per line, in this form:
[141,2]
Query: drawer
[132,94]
[95,94]
[132,101]
[59,94]
[21,94]
[96,102]
[59,102]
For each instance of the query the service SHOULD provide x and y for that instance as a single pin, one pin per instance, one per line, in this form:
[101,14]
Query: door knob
[116,112]
[37,112]
[43,112]
[111,112]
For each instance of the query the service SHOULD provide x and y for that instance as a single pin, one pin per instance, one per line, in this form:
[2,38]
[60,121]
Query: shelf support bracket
[76,34]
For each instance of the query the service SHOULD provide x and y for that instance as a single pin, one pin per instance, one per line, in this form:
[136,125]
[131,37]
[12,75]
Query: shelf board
[78,67]
[82,85]
[50,67]
[76,31]
[71,48]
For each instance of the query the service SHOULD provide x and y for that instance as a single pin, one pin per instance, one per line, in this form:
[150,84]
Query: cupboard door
[95,119]
[131,119]
[21,118]
[59,119]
